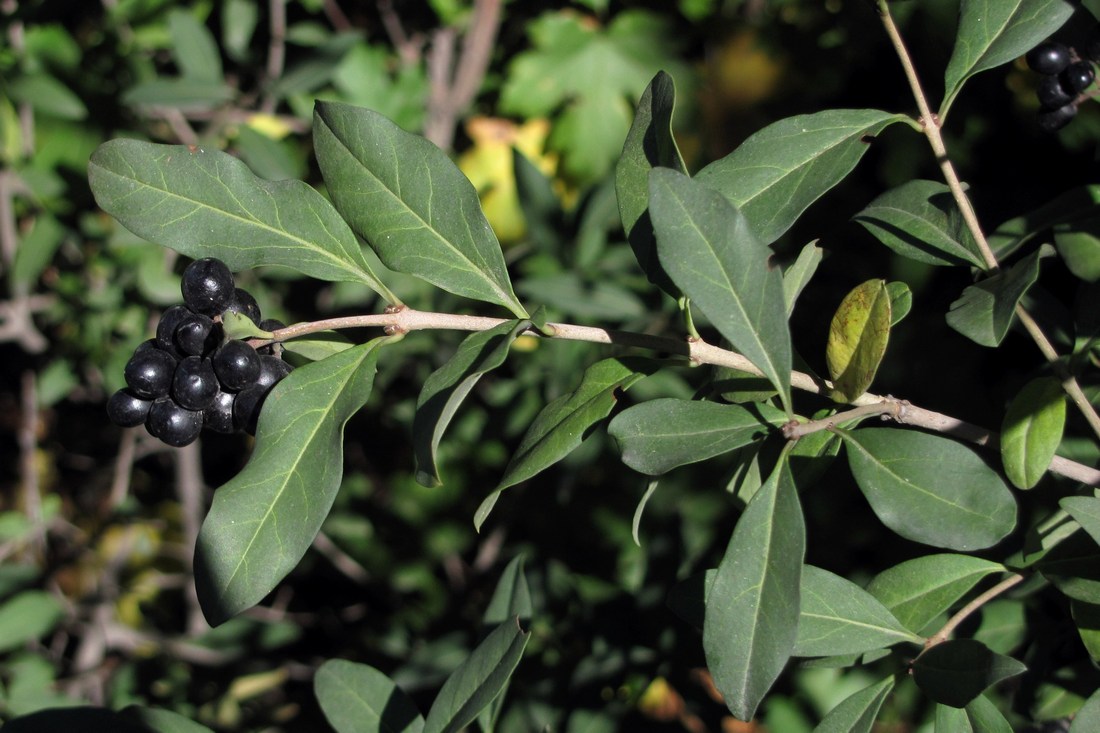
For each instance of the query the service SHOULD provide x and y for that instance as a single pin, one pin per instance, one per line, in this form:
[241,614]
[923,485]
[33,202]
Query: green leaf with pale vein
[357,698]
[857,712]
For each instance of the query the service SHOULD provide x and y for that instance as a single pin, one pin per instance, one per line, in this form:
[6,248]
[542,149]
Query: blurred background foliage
[98,525]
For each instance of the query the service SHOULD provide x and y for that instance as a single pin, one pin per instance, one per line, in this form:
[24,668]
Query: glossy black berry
[237,365]
[149,373]
[271,324]
[219,416]
[1077,77]
[243,302]
[1052,94]
[195,334]
[272,370]
[1052,120]
[1048,58]
[166,327]
[247,406]
[173,424]
[195,385]
[127,409]
[207,286]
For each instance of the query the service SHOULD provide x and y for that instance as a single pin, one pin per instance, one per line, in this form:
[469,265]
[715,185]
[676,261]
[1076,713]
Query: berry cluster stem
[930,125]
[403,320]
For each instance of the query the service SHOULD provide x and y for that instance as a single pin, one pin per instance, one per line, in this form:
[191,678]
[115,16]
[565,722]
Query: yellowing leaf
[857,339]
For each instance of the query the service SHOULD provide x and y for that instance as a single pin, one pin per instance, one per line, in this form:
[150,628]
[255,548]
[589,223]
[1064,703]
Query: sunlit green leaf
[26,617]
[1032,430]
[1079,247]
[955,672]
[984,311]
[901,300]
[858,335]
[1087,718]
[1086,616]
[411,203]
[799,273]
[857,712]
[356,697]
[318,345]
[266,517]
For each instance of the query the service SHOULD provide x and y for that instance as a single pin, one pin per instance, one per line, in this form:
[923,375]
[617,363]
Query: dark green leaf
[161,721]
[186,95]
[957,671]
[1032,430]
[920,220]
[661,434]
[799,273]
[752,607]
[984,311]
[858,335]
[994,32]
[707,248]
[561,426]
[1079,248]
[984,717]
[777,173]
[205,203]
[83,719]
[478,680]
[1088,717]
[444,391]
[857,712]
[46,95]
[918,591]
[1067,208]
[511,597]
[264,520]
[649,145]
[1086,510]
[411,203]
[357,698]
[193,48]
[839,617]
[1073,566]
[930,489]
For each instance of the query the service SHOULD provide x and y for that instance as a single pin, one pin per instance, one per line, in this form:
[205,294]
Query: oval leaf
[444,391]
[1032,430]
[264,520]
[752,606]
[839,617]
[930,489]
[778,172]
[561,426]
[857,712]
[994,32]
[411,203]
[205,203]
[661,434]
[357,697]
[1086,510]
[984,311]
[26,617]
[858,335]
[957,671]
[799,273]
[649,145]
[478,680]
[1088,717]
[920,220]
[917,591]
[706,246]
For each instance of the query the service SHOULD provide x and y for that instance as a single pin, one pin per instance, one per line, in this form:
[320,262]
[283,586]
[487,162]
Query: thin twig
[341,560]
[276,53]
[965,612]
[28,463]
[887,408]
[189,486]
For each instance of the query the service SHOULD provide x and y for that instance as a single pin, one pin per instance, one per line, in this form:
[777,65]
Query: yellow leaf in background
[742,72]
[269,126]
[488,165]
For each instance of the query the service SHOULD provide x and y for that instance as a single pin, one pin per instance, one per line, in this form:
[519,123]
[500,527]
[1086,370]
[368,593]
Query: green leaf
[264,520]
[1073,566]
[1087,718]
[778,172]
[357,697]
[659,435]
[26,617]
[478,680]
[984,717]
[858,335]
[185,95]
[1086,616]
[1066,209]
[161,721]
[649,145]
[444,391]
[839,617]
[799,273]
[920,220]
[901,300]
[1079,247]
[47,95]
[1086,510]
[193,48]
[957,671]
[204,203]
[318,345]
[706,246]
[994,32]
[918,591]
[411,203]
[1032,430]
[561,426]
[511,599]
[857,712]
[752,607]
[984,311]
[930,489]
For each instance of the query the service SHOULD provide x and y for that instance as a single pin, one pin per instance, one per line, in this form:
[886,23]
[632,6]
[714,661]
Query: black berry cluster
[190,376]
[1066,75]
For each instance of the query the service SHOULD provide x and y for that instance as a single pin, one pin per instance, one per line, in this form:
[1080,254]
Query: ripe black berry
[219,416]
[1052,120]
[1077,77]
[194,334]
[149,373]
[247,405]
[207,286]
[237,365]
[243,302]
[126,409]
[166,327]
[272,370]
[195,386]
[1048,58]
[173,424]
[1052,94]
